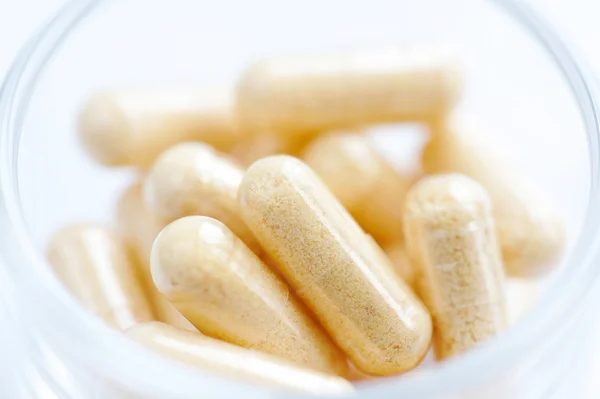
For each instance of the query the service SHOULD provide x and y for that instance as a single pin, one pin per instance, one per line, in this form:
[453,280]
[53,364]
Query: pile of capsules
[269,241]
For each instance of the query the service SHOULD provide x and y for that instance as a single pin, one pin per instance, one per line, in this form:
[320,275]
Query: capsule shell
[94,264]
[140,227]
[224,289]
[402,264]
[302,94]
[332,265]
[363,181]
[134,127]
[234,362]
[451,239]
[531,233]
[194,179]
[246,152]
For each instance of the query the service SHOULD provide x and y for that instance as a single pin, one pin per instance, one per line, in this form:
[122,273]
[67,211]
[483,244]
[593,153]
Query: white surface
[577,19]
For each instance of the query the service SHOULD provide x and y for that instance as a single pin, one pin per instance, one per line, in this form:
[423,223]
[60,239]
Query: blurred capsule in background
[228,293]
[133,127]
[299,95]
[234,362]
[531,233]
[451,238]
[333,267]
[194,179]
[254,148]
[94,263]
[139,226]
[363,181]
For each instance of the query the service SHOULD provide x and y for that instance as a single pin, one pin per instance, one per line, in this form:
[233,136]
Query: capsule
[224,289]
[402,264]
[246,152]
[194,179]
[331,264]
[451,239]
[234,362]
[140,227]
[94,263]
[363,181]
[298,95]
[134,127]
[531,233]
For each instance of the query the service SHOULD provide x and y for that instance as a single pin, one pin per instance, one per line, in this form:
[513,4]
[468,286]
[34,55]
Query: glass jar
[523,82]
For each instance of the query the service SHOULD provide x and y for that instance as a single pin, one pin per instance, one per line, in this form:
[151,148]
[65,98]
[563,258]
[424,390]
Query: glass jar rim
[17,250]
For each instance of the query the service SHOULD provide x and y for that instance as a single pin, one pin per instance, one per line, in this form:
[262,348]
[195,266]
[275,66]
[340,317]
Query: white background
[577,20]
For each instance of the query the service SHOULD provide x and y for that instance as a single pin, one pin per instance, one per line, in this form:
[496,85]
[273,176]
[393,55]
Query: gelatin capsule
[530,232]
[332,266]
[299,95]
[95,265]
[228,293]
[252,149]
[194,179]
[402,264]
[140,227]
[451,239]
[134,127]
[234,362]
[363,181]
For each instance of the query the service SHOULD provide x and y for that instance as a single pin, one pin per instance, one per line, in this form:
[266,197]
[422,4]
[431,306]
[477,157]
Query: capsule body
[234,362]
[451,239]
[140,227]
[302,94]
[134,127]
[531,233]
[252,149]
[221,286]
[331,264]
[363,181]
[402,264]
[194,179]
[94,263]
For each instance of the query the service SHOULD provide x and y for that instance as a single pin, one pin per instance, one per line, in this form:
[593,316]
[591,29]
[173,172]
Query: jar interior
[518,97]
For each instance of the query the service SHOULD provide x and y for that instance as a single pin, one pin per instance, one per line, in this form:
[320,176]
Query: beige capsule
[333,267]
[531,233]
[140,227]
[194,179]
[254,148]
[234,362]
[402,264]
[451,239]
[95,265]
[363,181]
[228,293]
[132,127]
[298,95]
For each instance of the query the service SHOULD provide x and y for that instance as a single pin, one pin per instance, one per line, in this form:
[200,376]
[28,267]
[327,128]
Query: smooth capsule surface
[451,239]
[234,362]
[363,181]
[402,264]
[333,267]
[252,149]
[301,94]
[228,293]
[530,231]
[194,179]
[139,226]
[134,127]
[94,263]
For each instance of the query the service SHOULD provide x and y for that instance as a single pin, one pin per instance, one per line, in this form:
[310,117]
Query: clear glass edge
[555,307]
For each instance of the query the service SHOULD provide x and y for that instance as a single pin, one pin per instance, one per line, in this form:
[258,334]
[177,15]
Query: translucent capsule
[234,362]
[134,127]
[402,264]
[451,239]
[194,179]
[531,233]
[303,94]
[140,227]
[363,181]
[333,266]
[254,148]
[214,280]
[94,263]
